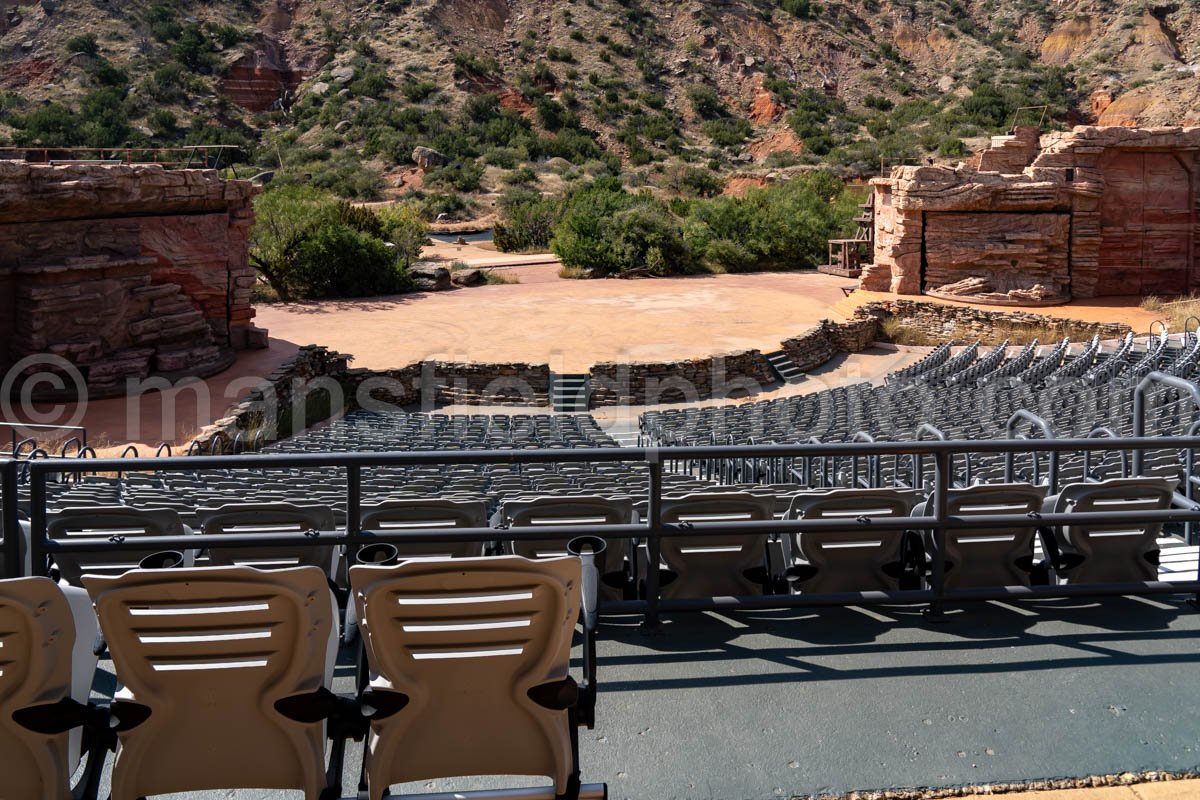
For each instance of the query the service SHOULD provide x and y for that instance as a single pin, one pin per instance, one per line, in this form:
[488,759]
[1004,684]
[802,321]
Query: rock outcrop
[1096,211]
[124,271]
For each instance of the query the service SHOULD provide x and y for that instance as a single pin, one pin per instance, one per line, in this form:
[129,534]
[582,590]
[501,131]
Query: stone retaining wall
[275,403]
[679,381]
[964,323]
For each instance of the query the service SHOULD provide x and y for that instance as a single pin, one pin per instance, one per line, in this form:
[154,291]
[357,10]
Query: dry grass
[1174,313]
[894,329]
[574,273]
[495,278]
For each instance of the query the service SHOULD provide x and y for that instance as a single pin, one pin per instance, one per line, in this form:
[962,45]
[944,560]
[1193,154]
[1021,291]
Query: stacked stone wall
[965,324]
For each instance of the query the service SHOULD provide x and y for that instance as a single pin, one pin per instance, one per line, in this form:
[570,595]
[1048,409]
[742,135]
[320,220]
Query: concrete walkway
[1165,790]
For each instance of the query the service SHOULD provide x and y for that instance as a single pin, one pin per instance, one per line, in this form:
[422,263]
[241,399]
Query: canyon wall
[1089,212]
[125,271]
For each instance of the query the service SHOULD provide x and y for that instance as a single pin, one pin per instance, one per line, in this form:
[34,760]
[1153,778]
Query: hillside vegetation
[539,95]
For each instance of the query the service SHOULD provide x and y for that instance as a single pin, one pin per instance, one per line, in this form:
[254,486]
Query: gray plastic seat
[851,561]
[1111,553]
[572,510]
[717,565]
[994,556]
[103,522]
[417,515]
[269,518]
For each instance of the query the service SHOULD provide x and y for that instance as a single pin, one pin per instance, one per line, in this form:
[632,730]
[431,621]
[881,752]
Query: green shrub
[608,231]
[527,222]
[460,175]
[86,43]
[728,132]
[706,102]
[309,245]
[339,261]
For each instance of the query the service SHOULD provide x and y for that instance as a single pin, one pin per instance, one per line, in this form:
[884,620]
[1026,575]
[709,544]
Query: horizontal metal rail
[939,521]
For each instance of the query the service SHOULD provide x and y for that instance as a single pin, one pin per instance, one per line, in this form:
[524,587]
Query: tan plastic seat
[995,556]
[851,561]
[270,518]
[573,510]
[469,662]
[721,565]
[102,522]
[1111,553]
[414,515]
[204,655]
[46,635]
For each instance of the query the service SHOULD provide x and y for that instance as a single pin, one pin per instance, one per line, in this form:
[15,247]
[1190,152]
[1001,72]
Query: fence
[653,530]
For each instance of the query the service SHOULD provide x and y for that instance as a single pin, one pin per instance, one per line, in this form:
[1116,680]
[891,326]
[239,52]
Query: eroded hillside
[341,93]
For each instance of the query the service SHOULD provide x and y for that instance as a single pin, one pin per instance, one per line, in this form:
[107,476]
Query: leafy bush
[705,102]
[309,245]
[784,225]
[460,175]
[727,132]
[527,222]
[86,43]
[608,231]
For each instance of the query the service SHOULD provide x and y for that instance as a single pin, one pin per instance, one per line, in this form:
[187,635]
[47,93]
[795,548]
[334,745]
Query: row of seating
[226,676]
[701,565]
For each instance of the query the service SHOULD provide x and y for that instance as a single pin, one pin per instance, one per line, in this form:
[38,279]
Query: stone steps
[781,363]
[570,393]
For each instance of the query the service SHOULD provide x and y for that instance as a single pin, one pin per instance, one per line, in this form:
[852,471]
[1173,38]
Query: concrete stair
[782,365]
[570,393]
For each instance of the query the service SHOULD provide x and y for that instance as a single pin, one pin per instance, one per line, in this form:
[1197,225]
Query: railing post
[654,513]
[37,522]
[14,564]
[941,507]
[353,508]
[1139,407]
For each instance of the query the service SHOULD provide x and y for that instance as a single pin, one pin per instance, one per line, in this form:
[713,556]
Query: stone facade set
[1034,221]
[124,271]
[966,324]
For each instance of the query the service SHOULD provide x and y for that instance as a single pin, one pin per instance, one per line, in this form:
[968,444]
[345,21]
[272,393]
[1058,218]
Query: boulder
[343,74]
[428,278]
[469,277]
[427,158]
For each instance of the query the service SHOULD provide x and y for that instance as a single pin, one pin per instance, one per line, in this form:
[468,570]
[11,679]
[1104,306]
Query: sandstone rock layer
[124,271]
[1090,212]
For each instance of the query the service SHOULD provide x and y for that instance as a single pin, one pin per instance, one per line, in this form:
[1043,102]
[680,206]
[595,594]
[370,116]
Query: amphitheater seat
[270,518]
[1109,553]
[991,557]
[417,515]
[717,565]
[219,666]
[615,573]
[852,561]
[46,632]
[471,659]
[111,521]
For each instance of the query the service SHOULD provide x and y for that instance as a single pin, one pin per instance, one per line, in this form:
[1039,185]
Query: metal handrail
[940,521]
[1047,430]
[1104,431]
[1139,406]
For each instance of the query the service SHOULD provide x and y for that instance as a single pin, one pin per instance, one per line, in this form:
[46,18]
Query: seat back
[417,515]
[37,633]
[995,556]
[562,510]
[851,561]
[711,566]
[102,522]
[1113,553]
[205,654]
[269,518]
[465,641]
